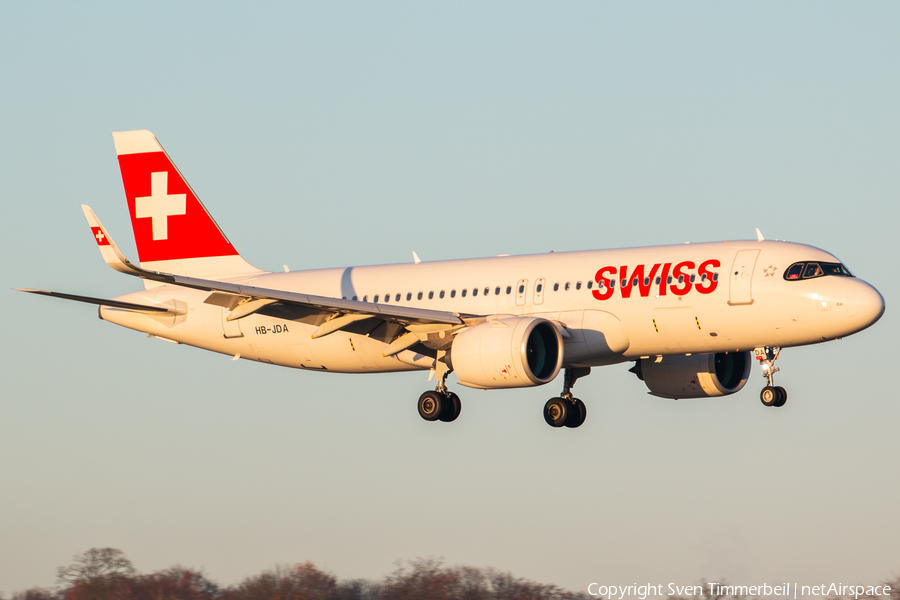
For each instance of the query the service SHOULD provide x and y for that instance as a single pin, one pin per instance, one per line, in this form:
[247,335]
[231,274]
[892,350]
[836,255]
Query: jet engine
[507,353]
[695,376]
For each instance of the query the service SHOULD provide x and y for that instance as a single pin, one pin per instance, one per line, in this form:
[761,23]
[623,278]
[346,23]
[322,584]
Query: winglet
[759,235]
[108,249]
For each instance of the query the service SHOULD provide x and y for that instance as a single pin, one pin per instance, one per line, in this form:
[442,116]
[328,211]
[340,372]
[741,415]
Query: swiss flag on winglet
[101,238]
[168,220]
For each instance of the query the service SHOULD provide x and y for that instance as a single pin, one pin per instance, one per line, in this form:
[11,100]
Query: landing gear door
[741,278]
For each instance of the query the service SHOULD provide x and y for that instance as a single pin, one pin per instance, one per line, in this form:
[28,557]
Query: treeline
[106,574]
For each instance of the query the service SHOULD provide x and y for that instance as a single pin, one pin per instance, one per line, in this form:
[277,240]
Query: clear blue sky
[339,133]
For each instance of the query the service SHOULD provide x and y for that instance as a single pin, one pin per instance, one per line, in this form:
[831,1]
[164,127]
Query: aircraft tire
[577,414]
[769,396]
[451,408]
[555,412]
[782,396]
[430,404]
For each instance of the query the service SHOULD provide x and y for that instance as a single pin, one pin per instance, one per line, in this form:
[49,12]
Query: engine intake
[507,353]
[695,376]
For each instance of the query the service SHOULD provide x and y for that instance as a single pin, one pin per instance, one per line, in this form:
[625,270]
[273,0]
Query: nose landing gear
[771,395]
[567,409]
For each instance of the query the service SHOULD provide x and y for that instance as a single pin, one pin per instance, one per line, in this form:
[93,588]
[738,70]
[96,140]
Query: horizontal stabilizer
[102,302]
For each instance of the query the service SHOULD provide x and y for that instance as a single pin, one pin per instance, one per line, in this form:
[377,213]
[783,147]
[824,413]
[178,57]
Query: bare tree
[98,574]
[175,583]
[35,594]
[96,565]
[302,582]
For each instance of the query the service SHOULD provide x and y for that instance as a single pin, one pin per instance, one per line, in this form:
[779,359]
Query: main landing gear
[435,405]
[771,395]
[440,404]
[567,409]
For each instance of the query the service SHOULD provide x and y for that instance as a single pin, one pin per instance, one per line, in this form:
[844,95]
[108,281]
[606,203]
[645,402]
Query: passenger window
[376,298]
[464,293]
[568,285]
[419,297]
[521,289]
[812,270]
[624,281]
[715,276]
[590,284]
[431,295]
[634,282]
[703,277]
[508,290]
[612,283]
[397,298]
[600,284]
[442,293]
[474,291]
[354,298]
[646,281]
[681,279]
[539,288]
[497,291]
[578,286]
[669,279]
[555,287]
[453,293]
[366,298]
[692,278]
[658,280]
[487,291]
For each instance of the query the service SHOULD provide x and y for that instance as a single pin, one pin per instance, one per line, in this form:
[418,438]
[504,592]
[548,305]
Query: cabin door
[740,290]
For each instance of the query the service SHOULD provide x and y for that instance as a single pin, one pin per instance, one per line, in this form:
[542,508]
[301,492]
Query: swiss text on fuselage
[660,279]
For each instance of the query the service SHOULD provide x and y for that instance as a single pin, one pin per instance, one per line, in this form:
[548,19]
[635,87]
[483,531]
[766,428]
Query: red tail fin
[169,221]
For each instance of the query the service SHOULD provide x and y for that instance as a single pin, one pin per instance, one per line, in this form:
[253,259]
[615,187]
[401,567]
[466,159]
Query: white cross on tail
[160,205]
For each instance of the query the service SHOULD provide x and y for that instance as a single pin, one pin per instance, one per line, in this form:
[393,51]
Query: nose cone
[865,305]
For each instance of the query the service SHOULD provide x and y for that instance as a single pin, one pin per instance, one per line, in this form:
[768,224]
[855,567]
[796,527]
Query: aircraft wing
[255,298]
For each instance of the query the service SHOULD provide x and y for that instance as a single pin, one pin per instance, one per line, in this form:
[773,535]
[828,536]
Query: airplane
[691,317]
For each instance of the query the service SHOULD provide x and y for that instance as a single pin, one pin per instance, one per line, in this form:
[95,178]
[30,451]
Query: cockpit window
[794,271]
[811,270]
[836,269]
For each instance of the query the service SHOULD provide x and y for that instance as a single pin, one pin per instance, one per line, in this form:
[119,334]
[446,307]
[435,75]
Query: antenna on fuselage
[416,258]
[759,235]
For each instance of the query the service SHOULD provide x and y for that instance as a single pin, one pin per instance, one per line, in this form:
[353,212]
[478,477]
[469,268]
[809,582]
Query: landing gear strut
[440,404]
[771,395]
[567,409]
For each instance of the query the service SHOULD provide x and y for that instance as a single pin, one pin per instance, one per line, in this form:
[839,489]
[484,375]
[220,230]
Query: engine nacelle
[695,376]
[507,353]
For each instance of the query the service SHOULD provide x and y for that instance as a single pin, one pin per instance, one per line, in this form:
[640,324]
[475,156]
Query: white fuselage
[738,301]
